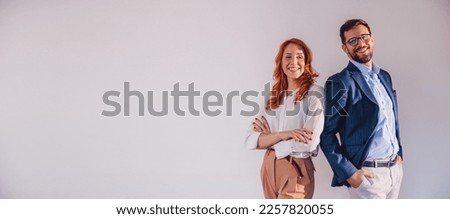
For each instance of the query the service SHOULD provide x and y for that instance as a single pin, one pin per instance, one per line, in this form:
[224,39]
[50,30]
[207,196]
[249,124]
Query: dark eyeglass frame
[354,40]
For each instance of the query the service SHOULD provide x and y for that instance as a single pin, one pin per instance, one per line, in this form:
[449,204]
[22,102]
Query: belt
[380,163]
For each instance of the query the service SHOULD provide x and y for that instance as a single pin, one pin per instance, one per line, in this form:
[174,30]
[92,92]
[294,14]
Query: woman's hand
[261,125]
[301,135]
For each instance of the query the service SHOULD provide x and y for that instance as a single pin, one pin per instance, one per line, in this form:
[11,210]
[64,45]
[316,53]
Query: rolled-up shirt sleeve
[251,140]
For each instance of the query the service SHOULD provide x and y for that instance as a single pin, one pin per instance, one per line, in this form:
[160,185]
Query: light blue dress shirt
[384,143]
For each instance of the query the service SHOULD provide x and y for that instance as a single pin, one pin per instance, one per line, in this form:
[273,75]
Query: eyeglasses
[354,40]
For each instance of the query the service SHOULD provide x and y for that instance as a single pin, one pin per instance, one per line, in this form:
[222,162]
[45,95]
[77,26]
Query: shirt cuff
[282,149]
[252,140]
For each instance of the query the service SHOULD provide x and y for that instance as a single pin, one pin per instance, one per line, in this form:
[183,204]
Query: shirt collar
[365,70]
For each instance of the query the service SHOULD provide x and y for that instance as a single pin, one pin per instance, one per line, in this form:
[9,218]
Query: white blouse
[308,113]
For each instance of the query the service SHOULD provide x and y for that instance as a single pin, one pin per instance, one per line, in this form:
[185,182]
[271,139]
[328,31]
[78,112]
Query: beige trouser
[288,177]
[385,184]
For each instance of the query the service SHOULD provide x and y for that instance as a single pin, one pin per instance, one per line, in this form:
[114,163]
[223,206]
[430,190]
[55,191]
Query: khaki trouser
[384,185]
[288,177]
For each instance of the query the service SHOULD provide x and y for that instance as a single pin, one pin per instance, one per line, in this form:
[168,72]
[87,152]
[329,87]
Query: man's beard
[363,58]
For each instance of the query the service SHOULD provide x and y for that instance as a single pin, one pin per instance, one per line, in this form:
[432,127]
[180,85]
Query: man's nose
[359,40]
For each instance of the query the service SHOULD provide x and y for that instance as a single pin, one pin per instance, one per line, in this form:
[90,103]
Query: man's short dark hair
[351,24]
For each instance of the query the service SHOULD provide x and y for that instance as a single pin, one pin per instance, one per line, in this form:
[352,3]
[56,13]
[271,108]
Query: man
[361,107]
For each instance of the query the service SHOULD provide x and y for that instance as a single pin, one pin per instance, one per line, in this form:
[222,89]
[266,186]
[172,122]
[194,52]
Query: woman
[290,126]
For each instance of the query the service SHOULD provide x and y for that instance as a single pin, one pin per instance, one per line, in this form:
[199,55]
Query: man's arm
[336,95]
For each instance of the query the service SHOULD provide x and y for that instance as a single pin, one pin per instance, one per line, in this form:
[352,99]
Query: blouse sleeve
[251,139]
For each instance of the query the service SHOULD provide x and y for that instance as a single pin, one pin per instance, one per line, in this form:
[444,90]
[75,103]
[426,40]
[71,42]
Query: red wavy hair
[304,82]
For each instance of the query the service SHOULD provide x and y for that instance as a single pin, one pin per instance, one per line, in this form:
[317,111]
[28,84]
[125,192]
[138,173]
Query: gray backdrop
[58,58]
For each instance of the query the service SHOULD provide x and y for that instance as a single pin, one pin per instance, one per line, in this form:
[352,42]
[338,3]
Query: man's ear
[344,48]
